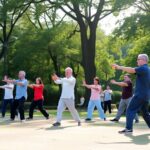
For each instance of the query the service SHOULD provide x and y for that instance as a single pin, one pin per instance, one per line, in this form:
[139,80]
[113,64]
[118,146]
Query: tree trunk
[5,65]
[88,57]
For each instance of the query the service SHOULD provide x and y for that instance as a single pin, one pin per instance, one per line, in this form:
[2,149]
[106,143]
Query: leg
[60,108]
[121,109]
[105,106]
[99,108]
[109,106]
[14,108]
[21,108]
[90,109]
[145,113]
[132,109]
[71,106]
[4,105]
[42,110]
[32,107]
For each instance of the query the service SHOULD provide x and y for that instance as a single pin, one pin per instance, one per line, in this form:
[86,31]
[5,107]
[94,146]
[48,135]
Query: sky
[109,23]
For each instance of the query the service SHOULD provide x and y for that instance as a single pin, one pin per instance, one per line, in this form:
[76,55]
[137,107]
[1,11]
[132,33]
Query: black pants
[18,104]
[38,103]
[4,106]
[107,105]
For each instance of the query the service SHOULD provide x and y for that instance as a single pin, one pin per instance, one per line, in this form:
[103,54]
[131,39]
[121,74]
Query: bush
[116,96]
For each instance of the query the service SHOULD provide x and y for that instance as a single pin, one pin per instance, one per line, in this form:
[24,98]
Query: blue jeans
[91,106]
[4,106]
[137,103]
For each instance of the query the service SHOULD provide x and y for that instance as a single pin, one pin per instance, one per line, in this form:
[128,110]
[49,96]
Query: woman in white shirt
[8,97]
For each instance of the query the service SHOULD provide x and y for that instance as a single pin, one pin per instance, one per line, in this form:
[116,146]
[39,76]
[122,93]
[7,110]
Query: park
[74,74]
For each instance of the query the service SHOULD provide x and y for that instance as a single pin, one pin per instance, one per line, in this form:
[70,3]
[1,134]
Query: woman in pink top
[94,99]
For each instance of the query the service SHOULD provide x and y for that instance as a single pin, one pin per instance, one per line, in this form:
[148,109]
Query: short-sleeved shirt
[21,91]
[107,95]
[8,91]
[95,93]
[127,91]
[38,92]
[142,87]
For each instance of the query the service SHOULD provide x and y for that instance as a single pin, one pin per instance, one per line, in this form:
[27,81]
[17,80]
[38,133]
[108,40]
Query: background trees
[43,37]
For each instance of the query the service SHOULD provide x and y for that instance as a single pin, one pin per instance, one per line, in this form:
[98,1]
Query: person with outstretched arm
[94,99]
[38,99]
[127,93]
[8,97]
[67,99]
[21,95]
[140,100]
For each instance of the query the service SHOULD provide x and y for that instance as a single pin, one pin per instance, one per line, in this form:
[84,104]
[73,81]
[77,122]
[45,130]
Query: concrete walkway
[97,135]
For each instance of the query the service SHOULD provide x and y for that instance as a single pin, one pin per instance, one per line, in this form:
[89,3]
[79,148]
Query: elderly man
[127,93]
[67,96]
[141,96]
[21,95]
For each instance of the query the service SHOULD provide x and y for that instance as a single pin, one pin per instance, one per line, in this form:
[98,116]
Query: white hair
[23,73]
[144,57]
[68,68]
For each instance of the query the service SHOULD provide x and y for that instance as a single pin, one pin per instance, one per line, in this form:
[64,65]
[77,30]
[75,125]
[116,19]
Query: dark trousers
[137,103]
[107,105]
[18,104]
[4,106]
[38,103]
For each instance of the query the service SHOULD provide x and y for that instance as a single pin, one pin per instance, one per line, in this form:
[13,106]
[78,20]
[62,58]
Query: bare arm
[126,69]
[122,84]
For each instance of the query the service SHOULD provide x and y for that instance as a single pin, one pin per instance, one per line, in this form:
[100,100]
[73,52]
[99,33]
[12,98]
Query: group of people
[130,101]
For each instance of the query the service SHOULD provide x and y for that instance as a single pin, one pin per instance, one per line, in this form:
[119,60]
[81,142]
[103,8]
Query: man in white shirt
[8,97]
[67,96]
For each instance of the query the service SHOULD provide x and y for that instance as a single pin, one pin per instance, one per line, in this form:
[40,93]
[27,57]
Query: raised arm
[126,69]
[122,84]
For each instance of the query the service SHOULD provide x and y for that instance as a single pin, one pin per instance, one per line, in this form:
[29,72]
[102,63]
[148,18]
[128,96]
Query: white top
[68,85]
[8,91]
[107,95]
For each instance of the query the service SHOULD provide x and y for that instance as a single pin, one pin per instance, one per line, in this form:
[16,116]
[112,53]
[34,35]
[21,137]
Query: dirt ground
[39,134]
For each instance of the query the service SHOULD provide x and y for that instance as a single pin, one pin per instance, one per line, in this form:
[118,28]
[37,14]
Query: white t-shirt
[68,85]
[8,91]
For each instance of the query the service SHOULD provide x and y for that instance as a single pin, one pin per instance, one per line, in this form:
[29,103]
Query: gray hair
[144,57]
[68,68]
[23,72]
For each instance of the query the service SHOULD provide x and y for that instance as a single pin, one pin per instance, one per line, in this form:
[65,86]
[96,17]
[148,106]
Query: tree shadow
[58,128]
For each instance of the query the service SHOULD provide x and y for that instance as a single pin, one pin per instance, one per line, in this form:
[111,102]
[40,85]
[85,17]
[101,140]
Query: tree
[10,13]
[87,14]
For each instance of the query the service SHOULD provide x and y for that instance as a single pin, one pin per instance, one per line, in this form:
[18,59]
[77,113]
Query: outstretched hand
[83,82]
[54,77]
[112,81]
[115,66]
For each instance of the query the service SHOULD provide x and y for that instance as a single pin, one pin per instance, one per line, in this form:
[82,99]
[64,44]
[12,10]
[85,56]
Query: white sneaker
[23,121]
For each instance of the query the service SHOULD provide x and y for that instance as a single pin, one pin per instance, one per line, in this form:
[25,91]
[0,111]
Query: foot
[136,121]
[114,120]
[104,119]
[57,124]
[79,123]
[23,121]
[47,118]
[29,118]
[125,131]
[88,119]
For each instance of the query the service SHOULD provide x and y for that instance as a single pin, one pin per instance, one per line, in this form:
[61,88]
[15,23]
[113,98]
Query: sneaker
[79,123]
[125,131]
[23,121]
[136,121]
[88,119]
[57,124]
[29,118]
[114,120]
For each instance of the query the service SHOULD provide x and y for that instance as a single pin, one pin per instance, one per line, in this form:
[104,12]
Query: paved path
[97,135]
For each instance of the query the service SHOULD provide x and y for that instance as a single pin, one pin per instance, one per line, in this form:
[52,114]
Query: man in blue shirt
[141,96]
[21,95]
